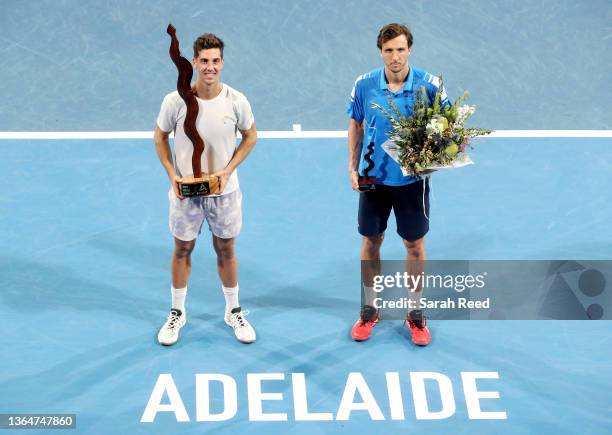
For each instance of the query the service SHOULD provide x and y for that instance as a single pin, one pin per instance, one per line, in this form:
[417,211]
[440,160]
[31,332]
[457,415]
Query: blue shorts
[407,204]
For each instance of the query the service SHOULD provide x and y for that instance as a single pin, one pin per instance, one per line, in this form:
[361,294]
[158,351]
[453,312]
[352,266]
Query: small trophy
[200,184]
[367,183]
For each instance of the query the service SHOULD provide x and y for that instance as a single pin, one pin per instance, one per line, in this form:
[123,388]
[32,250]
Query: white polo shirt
[218,121]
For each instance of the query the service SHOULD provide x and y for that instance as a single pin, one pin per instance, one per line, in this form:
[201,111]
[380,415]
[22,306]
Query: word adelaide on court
[357,398]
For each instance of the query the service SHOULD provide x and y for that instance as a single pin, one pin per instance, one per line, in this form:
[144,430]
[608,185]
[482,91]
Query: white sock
[231,297]
[369,295]
[178,298]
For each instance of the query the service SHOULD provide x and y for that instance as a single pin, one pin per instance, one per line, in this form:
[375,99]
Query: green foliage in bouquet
[433,135]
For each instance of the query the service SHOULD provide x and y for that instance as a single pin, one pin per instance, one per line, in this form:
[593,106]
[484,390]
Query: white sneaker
[242,328]
[169,333]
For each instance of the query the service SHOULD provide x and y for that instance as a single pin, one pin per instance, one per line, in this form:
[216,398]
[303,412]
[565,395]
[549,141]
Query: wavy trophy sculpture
[200,184]
[365,181]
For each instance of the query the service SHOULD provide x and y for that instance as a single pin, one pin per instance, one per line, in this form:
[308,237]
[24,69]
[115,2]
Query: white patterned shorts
[223,214]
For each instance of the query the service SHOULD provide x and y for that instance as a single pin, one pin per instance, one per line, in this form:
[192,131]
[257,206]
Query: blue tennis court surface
[85,288]
[85,245]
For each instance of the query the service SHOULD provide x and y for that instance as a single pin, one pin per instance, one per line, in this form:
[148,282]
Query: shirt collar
[407,81]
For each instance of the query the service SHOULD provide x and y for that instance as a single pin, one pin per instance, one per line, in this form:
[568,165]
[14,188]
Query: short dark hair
[206,41]
[392,31]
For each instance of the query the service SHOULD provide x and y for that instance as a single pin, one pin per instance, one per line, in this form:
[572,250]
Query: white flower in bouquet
[436,125]
[464,112]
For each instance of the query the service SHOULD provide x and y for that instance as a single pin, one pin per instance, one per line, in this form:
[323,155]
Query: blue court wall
[88,65]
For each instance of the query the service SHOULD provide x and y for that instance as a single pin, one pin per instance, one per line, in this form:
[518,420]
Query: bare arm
[164,153]
[355,141]
[246,145]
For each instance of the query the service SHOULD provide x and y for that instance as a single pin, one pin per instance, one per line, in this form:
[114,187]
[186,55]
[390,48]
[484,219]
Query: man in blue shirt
[407,196]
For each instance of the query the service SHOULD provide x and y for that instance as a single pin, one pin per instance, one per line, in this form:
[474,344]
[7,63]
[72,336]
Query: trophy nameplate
[365,181]
[201,186]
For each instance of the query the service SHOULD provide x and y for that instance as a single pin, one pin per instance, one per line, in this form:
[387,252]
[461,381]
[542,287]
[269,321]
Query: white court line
[296,133]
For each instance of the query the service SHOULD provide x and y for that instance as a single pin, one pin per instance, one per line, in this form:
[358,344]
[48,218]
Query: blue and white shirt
[372,88]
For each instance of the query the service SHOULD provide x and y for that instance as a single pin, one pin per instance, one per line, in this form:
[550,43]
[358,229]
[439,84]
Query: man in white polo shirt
[222,112]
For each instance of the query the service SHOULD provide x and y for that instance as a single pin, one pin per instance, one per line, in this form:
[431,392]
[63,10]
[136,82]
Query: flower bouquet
[433,137]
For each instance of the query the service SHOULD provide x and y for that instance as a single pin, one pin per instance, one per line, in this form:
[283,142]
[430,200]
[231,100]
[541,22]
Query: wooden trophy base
[202,186]
[366,184]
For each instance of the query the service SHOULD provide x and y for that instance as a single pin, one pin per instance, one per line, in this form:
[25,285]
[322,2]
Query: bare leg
[227,263]
[370,263]
[415,264]
[181,262]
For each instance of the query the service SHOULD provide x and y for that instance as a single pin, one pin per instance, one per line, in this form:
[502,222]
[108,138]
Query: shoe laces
[416,318]
[173,319]
[419,323]
[238,320]
[368,314]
